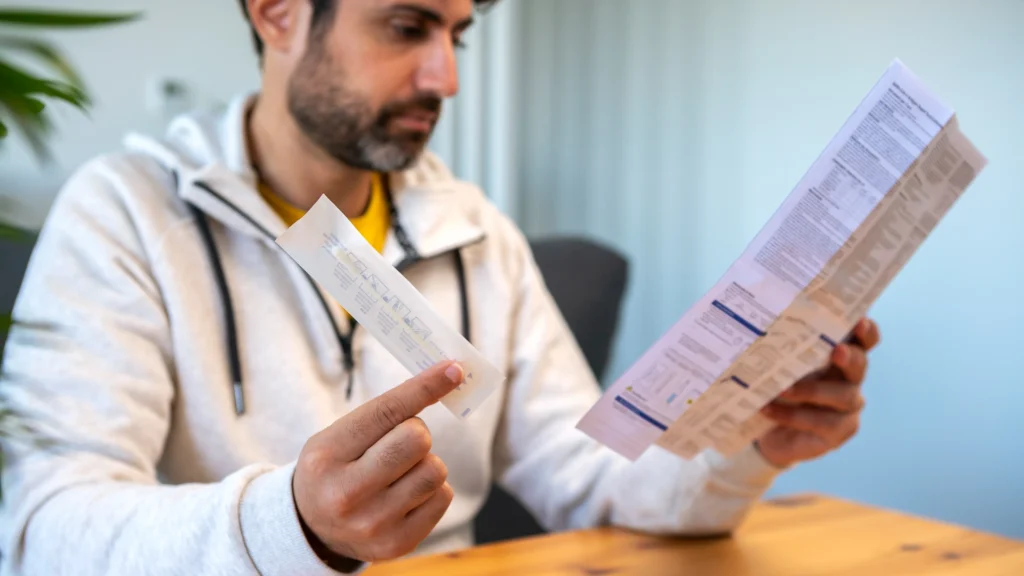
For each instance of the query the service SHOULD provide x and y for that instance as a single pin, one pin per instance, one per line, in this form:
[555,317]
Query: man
[207,410]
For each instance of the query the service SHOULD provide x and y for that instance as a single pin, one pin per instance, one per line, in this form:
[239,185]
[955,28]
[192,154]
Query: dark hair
[322,12]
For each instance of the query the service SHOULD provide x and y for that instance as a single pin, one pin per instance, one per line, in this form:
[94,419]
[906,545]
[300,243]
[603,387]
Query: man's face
[369,88]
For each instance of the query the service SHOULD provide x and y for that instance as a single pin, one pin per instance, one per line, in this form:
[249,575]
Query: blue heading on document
[640,413]
[737,318]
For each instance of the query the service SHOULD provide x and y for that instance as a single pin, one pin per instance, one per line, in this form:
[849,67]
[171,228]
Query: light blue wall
[672,129]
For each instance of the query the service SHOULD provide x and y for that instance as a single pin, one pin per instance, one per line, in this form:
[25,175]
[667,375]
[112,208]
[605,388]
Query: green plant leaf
[34,105]
[8,232]
[3,130]
[47,54]
[18,83]
[5,323]
[34,127]
[61,19]
[26,114]
[19,96]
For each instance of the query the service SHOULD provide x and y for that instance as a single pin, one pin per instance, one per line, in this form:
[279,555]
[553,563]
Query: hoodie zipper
[411,258]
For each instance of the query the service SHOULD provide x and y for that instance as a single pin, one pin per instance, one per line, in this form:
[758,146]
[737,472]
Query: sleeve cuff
[746,469]
[272,532]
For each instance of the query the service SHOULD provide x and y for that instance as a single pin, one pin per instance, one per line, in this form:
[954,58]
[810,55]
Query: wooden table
[795,536]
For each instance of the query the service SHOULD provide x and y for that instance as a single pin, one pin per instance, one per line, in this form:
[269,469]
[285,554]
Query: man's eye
[459,42]
[409,30]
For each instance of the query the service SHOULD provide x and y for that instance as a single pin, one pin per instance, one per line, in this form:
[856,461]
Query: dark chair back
[588,282]
[14,256]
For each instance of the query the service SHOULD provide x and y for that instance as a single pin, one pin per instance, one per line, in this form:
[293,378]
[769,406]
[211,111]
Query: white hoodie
[122,359]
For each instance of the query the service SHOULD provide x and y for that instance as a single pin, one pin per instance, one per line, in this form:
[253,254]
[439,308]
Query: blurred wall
[203,43]
[205,46]
[673,129]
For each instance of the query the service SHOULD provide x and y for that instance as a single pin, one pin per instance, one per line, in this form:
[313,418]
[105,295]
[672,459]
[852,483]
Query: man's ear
[280,23]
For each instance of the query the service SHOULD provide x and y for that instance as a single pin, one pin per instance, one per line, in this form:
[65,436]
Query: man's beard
[343,124]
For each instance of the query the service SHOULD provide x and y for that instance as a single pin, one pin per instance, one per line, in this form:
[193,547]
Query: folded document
[864,207]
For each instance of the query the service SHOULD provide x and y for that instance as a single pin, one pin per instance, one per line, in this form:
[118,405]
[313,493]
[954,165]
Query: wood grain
[795,536]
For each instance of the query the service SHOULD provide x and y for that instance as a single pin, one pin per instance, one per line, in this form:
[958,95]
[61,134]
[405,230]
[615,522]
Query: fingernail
[865,327]
[454,373]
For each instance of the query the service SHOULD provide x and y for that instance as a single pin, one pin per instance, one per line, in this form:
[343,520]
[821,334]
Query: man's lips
[418,121]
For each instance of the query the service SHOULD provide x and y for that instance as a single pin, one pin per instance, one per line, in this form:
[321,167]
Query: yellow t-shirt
[373,224]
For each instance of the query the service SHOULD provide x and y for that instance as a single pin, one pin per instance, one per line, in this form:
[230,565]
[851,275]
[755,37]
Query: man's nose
[438,73]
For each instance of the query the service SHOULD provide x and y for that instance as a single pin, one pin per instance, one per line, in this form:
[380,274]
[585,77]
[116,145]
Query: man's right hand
[368,487]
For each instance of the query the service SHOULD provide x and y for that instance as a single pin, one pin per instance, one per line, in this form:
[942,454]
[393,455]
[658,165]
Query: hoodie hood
[207,152]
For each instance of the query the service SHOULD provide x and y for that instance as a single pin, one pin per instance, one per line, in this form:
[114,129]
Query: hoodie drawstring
[234,362]
[460,270]
[344,342]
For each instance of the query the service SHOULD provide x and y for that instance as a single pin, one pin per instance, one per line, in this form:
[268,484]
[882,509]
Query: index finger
[366,425]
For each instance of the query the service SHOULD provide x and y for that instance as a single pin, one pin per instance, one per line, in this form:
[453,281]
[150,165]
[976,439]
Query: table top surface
[793,536]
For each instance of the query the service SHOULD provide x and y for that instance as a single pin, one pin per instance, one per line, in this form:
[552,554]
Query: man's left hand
[821,412]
